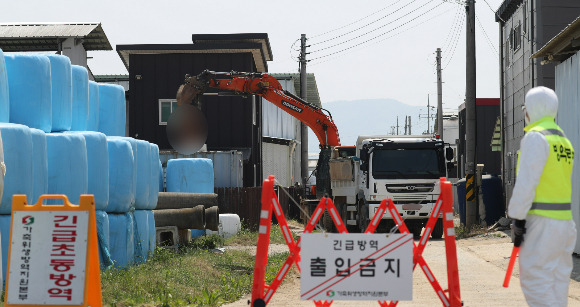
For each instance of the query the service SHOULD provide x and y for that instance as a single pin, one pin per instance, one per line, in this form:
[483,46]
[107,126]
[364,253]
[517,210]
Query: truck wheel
[415,229]
[437,230]
[327,222]
[363,216]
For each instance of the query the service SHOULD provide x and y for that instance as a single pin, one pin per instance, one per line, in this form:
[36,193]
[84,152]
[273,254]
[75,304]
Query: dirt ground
[482,261]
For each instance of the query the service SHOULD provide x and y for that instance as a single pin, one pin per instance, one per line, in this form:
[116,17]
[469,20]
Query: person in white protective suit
[540,205]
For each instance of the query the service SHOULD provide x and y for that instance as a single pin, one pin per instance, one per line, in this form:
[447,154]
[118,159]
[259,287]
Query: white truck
[401,167]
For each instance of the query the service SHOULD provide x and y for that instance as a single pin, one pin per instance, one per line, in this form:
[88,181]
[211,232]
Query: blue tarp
[155,166]
[143,179]
[141,238]
[103,238]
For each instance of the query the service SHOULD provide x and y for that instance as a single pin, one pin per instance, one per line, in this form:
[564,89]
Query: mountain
[371,117]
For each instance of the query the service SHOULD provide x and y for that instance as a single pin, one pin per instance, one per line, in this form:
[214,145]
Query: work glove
[518,231]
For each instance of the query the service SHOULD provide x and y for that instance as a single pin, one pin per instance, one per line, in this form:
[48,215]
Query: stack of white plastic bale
[55,125]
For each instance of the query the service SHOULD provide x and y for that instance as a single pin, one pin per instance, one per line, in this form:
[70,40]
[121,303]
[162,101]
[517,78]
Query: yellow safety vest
[554,192]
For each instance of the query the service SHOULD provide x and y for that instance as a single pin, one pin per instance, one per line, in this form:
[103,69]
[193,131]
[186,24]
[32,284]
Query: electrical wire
[381,35]
[366,25]
[456,42]
[452,31]
[356,21]
[487,37]
[376,29]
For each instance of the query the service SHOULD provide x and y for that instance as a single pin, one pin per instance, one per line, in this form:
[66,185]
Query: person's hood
[541,102]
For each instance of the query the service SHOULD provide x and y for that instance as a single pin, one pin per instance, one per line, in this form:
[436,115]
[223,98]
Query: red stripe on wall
[487,101]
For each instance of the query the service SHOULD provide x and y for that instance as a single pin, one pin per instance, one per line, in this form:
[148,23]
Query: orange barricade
[262,293]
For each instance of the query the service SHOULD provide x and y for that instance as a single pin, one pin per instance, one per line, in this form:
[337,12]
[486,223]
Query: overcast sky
[360,49]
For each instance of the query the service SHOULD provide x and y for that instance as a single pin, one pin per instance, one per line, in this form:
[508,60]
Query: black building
[234,123]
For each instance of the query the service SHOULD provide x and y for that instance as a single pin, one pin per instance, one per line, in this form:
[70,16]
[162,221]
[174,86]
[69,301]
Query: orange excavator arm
[270,89]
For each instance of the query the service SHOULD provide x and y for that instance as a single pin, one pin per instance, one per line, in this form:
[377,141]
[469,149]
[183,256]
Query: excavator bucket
[191,90]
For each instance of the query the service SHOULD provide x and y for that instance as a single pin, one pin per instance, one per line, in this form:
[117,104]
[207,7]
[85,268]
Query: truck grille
[414,198]
[410,188]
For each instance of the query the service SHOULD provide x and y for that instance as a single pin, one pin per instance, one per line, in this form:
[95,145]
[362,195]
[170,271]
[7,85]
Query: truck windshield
[408,163]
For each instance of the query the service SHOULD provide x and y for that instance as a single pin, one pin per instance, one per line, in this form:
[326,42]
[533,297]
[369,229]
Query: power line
[366,25]
[369,32]
[452,31]
[488,40]
[356,21]
[456,41]
[376,42]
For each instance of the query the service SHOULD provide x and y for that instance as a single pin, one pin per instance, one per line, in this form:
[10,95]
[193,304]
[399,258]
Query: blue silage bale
[134,149]
[103,238]
[155,166]
[61,75]
[67,165]
[93,120]
[39,165]
[5,220]
[4,92]
[143,179]
[112,109]
[98,167]
[141,238]
[161,181]
[30,88]
[192,175]
[121,246]
[152,231]
[80,98]
[121,179]
[17,147]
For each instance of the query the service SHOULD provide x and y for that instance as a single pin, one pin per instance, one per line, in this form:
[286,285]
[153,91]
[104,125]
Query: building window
[517,37]
[166,107]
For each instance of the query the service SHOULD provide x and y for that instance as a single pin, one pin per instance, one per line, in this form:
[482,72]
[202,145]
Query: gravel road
[482,264]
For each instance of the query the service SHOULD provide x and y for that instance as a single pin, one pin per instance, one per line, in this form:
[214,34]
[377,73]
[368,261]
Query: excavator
[268,87]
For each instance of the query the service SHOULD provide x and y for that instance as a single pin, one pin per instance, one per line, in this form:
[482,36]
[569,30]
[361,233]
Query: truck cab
[404,168]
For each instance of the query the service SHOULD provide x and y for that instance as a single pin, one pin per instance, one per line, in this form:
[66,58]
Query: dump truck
[401,167]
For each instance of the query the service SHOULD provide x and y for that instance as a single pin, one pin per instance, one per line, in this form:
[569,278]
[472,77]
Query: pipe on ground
[212,218]
[175,200]
[187,218]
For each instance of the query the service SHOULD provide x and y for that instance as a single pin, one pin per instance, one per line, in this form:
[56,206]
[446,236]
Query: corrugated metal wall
[281,160]
[567,89]
[277,161]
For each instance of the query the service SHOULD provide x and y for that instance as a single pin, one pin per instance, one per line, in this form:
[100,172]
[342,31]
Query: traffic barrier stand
[262,293]
[445,204]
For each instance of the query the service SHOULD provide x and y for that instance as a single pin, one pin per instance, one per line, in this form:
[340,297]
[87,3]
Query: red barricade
[262,293]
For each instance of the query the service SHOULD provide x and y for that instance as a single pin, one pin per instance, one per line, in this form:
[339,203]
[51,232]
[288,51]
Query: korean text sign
[48,255]
[356,267]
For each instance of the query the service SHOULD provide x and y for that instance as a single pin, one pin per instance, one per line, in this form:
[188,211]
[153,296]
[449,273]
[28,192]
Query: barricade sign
[356,267]
[338,272]
[53,257]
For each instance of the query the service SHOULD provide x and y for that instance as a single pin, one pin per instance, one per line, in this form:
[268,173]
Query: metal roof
[261,38]
[312,95]
[255,49]
[563,45]
[111,78]
[507,9]
[46,36]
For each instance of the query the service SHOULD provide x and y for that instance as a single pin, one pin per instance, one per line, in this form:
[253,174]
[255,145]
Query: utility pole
[470,119]
[428,114]
[303,127]
[439,96]
[405,124]
[410,125]
[397,125]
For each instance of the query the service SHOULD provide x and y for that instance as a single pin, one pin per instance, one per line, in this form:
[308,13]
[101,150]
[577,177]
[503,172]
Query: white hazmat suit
[546,253]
